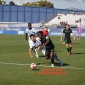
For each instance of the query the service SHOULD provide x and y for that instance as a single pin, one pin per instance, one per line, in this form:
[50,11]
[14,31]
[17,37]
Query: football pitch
[15,63]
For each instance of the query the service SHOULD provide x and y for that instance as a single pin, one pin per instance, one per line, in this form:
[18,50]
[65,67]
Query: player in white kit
[30,31]
[35,45]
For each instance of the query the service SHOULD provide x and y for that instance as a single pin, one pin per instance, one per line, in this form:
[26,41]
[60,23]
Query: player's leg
[36,53]
[70,48]
[80,32]
[30,49]
[67,46]
[53,55]
[52,58]
[49,55]
[58,59]
[79,36]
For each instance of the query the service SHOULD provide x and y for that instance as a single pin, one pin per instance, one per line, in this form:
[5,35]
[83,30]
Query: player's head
[46,28]
[40,34]
[32,37]
[29,25]
[67,26]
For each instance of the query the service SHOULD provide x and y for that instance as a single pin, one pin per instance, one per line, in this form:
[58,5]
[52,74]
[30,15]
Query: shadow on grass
[58,64]
[76,43]
[49,63]
[42,56]
[44,63]
[57,51]
[37,69]
[78,53]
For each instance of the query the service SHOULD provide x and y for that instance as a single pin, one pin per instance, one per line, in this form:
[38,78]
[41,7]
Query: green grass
[14,49]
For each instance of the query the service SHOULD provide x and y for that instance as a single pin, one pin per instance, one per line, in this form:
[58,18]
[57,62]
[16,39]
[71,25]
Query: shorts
[67,41]
[47,52]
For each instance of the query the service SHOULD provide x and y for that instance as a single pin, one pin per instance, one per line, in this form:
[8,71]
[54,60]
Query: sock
[43,50]
[58,59]
[52,60]
[36,53]
[68,50]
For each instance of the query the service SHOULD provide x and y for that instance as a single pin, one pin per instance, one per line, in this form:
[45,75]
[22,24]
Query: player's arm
[47,38]
[30,52]
[26,36]
[61,37]
[73,35]
[40,46]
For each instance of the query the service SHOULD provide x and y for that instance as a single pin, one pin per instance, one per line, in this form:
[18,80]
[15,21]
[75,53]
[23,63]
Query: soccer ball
[33,66]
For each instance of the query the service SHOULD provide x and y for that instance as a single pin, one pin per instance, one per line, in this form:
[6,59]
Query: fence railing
[52,16]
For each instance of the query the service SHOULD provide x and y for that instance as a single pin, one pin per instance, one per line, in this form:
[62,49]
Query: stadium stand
[62,19]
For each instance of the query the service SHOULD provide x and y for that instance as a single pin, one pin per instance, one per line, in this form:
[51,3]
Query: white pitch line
[40,65]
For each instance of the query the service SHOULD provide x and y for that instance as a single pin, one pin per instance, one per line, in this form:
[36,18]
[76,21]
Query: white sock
[43,50]
[36,53]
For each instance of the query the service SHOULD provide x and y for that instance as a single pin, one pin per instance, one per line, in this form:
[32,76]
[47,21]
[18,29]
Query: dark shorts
[48,51]
[67,41]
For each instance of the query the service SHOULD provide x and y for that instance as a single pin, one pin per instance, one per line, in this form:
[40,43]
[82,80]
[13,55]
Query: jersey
[35,44]
[80,26]
[45,33]
[30,31]
[67,33]
[50,45]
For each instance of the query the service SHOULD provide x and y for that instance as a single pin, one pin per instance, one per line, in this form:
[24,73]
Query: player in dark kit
[67,31]
[49,53]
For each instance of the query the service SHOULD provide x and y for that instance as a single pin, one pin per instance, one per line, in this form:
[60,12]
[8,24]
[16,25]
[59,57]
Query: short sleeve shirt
[67,33]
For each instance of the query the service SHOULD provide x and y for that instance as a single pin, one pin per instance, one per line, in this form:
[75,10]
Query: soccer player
[49,53]
[30,31]
[79,29]
[34,45]
[45,31]
[67,31]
